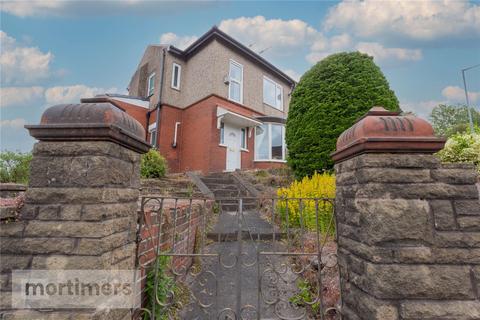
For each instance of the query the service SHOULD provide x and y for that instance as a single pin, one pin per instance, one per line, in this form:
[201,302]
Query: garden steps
[223,185]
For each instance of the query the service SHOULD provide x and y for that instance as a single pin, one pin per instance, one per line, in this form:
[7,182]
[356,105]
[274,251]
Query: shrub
[329,98]
[462,147]
[167,291]
[318,186]
[15,167]
[153,165]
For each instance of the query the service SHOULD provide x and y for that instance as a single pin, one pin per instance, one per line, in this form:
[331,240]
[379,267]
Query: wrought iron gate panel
[237,258]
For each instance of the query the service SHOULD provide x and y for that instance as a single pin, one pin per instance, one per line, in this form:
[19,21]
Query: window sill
[235,101]
[244,150]
[177,89]
[271,160]
[222,145]
[269,105]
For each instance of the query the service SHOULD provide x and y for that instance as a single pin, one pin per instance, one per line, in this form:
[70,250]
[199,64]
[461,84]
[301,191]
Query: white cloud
[288,37]
[20,64]
[17,96]
[453,95]
[15,123]
[82,8]
[181,42]
[22,8]
[293,74]
[419,20]
[379,52]
[457,94]
[324,46]
[422,108]
[276,35]
[72,94]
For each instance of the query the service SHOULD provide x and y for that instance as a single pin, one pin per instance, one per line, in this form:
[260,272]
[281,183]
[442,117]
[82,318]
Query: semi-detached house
[215,106]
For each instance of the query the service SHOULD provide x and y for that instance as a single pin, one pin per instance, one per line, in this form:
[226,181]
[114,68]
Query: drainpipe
[159,104]
[148,121]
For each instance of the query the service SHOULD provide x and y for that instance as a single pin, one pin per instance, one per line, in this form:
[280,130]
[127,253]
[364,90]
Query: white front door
[233,136]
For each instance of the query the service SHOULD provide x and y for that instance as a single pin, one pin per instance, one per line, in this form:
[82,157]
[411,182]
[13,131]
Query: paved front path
[232,276]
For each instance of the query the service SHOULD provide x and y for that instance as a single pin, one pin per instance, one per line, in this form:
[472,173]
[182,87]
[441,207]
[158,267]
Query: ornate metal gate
[238,258]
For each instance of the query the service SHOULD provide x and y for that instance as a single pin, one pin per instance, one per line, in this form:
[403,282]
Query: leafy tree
[448,120]
[329,98]
[14,167]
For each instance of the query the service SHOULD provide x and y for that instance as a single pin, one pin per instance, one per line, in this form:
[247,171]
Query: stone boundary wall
[11,190]
[79,213]
[409,238]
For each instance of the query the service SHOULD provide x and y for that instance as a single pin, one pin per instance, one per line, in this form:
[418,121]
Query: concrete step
[234,207]
[219,186]
[253,227]
[207,180]
[246,235]
[226,193]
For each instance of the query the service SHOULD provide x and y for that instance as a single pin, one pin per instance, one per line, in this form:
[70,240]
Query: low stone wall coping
[90,122]
[12,187]
[382,131]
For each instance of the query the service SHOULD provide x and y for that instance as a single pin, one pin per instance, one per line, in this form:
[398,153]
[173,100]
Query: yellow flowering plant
[301,212]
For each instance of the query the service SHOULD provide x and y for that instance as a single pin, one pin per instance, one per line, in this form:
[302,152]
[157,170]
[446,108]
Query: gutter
[159,104]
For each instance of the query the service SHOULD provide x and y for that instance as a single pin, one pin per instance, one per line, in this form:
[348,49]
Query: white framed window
[222,133]
[272,93]
[176,76]
[235,84]
[151,84]
[244,138]
[270,142]
[153,137]
[152,130]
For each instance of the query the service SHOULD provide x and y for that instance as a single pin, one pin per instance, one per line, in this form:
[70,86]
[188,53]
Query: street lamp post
[470,119]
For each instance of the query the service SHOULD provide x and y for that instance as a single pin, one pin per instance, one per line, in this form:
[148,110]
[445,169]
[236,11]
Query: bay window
[270,142]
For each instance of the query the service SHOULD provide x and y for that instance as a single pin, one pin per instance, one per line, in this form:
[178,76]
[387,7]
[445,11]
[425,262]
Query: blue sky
[59,51]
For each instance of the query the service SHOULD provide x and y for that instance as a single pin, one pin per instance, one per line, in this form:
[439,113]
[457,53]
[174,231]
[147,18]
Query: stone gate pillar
[408,226]
[81,203]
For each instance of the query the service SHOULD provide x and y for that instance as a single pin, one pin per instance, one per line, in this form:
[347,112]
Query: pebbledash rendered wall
[80,208]
[408,226]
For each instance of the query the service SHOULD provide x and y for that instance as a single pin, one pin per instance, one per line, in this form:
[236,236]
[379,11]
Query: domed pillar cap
[90,122]
[383,131]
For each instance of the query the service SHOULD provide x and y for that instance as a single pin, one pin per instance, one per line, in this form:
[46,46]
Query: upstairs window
[272,93]
[176,75]
[235,86]
[151,84]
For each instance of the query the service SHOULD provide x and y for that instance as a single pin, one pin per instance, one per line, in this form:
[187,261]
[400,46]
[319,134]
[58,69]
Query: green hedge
[329,98]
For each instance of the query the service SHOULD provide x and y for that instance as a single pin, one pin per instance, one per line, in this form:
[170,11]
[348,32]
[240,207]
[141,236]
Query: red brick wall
[139,113]
[168,117]
[201,123]
[198,137]
[179,236]
[269,165]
